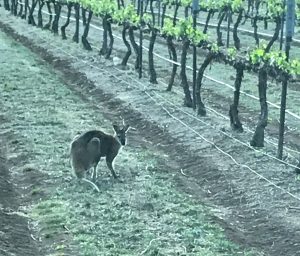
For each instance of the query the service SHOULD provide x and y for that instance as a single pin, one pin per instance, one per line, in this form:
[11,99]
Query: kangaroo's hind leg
[94,173]
[93,149]
[109,163]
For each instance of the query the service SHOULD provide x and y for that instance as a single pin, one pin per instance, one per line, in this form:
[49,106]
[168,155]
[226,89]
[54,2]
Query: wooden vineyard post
[195,12]
[141,39]
[290,23]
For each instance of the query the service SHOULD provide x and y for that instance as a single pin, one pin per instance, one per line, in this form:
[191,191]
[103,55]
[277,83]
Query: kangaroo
[88,148]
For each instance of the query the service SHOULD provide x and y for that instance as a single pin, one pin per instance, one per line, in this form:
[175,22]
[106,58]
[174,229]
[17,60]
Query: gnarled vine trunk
[152,12]
[173,57]
[111,41]
[235,122]
[77,16]
[127,44]
[135,46]
[188,102]
[164,8]
[30,15]
[57,10]
[152,71]
[258,137]
[201,108]
[210,13]
[15,12]
[26,8]
[40,17]
[175,14]
[276,34]
[48,25]
[255,30]
[84,40]
[236,39]
[6,5]
[103,50]
[219,33]
[83,15]
[13,8]
[20,14]
[63,27]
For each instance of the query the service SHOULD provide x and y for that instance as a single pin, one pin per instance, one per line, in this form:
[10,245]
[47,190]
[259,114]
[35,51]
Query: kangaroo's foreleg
[109,161]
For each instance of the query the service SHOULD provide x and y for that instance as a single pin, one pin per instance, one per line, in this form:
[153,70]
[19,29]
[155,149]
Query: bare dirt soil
[15,235]
[253,213]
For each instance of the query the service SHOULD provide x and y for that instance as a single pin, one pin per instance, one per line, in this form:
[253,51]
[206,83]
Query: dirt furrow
[15,236]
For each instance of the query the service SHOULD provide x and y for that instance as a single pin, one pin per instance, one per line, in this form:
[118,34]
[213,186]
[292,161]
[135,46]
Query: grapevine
[264,59]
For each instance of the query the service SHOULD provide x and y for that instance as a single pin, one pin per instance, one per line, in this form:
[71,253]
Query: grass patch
[144,216]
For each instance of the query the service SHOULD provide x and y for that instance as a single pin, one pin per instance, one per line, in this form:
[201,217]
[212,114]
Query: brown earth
[15,236]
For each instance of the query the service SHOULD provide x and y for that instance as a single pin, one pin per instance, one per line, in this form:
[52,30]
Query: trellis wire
[190,68]
[227,118]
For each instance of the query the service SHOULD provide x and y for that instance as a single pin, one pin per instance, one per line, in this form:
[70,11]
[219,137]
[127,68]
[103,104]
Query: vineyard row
[262,60]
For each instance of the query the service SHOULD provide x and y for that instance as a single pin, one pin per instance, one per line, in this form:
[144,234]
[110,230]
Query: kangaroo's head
[120,133]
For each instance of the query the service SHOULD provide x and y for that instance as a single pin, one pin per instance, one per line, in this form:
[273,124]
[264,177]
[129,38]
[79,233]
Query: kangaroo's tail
[91,183]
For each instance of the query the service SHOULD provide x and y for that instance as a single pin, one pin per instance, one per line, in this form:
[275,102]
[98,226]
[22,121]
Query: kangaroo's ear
[126,127]
[116,127]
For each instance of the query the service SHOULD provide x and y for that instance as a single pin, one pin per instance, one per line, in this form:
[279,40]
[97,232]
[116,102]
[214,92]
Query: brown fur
[88,148]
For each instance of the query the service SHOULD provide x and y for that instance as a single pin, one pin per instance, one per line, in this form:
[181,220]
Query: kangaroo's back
[87,149]
[107,142]
[85,152]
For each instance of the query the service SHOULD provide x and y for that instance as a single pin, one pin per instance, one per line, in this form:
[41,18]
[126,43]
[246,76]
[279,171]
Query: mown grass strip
[145,215]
